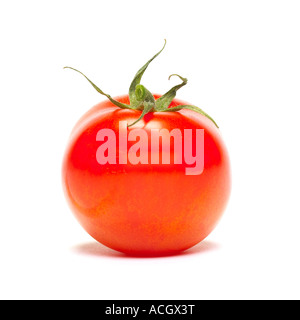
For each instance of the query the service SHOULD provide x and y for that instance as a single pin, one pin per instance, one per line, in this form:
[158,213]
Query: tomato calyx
[142,99]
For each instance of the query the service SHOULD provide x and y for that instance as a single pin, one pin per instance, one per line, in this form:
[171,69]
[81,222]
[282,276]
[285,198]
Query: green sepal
[115,102]
[137,79]
[142,99]
[190,107]
[164,101]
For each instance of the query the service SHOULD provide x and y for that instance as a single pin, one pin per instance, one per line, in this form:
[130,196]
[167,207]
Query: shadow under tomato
[97,249]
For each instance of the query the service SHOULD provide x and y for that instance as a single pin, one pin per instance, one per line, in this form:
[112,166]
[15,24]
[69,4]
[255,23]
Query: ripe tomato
[145,209]
[141,206]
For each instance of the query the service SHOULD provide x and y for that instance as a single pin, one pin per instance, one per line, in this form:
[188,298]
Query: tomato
[129,199]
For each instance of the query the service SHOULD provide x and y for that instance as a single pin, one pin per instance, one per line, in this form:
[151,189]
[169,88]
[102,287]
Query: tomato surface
[145,208]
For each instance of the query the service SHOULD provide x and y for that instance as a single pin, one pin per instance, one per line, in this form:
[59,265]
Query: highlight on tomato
[146,174]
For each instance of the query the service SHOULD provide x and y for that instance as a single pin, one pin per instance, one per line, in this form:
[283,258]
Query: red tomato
[145,209]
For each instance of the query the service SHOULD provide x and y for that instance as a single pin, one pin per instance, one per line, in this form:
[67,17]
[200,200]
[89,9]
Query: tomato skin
[145,209]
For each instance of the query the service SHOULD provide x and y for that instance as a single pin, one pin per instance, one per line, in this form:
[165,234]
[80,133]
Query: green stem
[145,100]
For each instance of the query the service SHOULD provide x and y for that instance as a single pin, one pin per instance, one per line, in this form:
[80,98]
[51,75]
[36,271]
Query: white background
[242,59]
